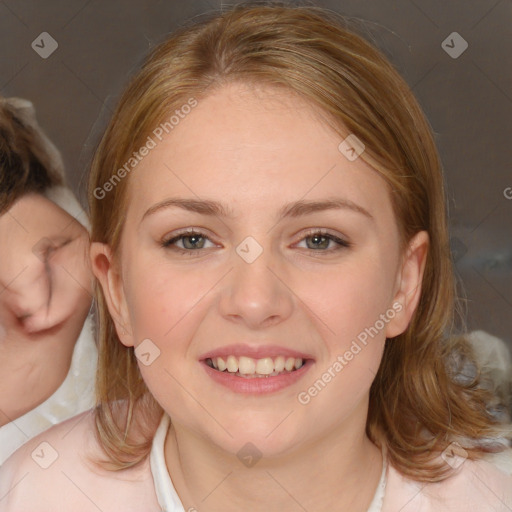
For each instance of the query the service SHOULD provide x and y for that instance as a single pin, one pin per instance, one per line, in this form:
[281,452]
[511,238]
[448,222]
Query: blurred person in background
[47,350]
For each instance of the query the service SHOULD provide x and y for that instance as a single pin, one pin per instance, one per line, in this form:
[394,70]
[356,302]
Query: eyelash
[167,244]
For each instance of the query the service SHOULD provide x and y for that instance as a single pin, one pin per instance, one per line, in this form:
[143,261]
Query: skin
[255,150]
[45,296]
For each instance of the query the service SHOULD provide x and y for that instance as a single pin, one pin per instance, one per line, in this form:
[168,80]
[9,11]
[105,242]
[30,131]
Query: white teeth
[290,363]
[279,364]
[267,366]
[232,364]
[246,365]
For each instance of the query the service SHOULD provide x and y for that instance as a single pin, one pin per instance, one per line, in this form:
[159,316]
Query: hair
[417,406]
[25,163]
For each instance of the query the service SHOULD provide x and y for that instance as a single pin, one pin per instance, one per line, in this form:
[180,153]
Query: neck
[339,471]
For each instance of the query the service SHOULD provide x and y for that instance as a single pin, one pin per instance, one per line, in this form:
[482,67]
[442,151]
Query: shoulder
[474,486]
[54,472]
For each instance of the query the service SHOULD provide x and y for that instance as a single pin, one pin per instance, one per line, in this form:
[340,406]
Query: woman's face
[256,284]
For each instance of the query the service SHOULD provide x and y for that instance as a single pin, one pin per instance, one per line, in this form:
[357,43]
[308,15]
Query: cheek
[163,300]
[166,306]
[353,305]
[342,385]
[349,299]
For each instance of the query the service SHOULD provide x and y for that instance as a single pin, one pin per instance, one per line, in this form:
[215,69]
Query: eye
[321,239]
[194,241]
[48,247]
[191,239]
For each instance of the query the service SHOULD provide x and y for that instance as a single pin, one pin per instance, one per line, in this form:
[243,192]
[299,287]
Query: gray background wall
[467,99]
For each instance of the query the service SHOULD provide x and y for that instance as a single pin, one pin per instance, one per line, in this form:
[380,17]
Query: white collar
[168,498]
[378,497]
[166,494]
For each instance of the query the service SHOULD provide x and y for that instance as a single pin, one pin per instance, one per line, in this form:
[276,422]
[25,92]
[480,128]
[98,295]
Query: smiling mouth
[249,368]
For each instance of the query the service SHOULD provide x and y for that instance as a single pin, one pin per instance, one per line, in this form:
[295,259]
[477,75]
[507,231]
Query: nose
[255,290]
[28,295]
[31,294]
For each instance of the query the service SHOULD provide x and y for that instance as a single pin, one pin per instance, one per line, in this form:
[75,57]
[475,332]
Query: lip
[257,385]
[255,351]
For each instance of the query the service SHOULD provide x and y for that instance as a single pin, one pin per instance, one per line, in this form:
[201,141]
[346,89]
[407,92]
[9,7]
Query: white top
[168,498]
[166,494]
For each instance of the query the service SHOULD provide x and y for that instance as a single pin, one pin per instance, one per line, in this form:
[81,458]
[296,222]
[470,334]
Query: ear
[112,286]
[408,285]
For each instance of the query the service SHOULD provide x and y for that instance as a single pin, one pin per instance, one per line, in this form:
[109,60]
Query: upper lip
[254,351]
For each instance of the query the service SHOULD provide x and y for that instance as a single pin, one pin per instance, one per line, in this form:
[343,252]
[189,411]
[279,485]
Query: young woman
[275,292]
[47,350]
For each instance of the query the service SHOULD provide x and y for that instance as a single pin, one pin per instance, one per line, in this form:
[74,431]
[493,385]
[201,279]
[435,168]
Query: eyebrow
[295,209]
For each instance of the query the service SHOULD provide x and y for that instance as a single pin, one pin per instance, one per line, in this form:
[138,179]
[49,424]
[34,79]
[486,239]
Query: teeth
[247,366]
[279,363]
[265,366]
[232,364]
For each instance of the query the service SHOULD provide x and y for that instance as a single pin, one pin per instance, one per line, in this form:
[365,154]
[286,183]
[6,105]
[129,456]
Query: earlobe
[409,282]
[111,284]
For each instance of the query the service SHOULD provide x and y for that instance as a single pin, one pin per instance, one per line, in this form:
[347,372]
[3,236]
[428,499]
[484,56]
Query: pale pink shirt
[51,474]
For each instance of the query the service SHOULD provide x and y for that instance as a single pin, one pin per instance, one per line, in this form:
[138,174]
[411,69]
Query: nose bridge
[255,294]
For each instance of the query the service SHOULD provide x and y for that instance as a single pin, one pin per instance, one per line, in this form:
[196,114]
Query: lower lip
[257,385]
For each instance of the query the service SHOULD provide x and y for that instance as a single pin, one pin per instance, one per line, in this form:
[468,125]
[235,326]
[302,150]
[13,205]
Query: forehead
[251,146]
[36,208]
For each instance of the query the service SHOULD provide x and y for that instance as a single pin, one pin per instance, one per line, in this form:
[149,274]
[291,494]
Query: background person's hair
[414,401]
[27,158]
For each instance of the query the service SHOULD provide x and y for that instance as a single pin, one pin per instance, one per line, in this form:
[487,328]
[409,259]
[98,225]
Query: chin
[262,438]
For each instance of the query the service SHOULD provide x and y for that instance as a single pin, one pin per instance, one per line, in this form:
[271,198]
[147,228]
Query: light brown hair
[416,403]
